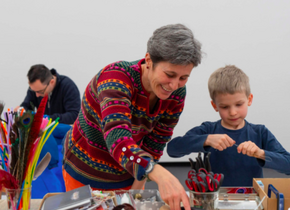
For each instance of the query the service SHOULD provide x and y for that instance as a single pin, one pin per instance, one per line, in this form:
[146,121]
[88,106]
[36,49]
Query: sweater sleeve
[71,102]
[192,141]
[115,90]
[277,157]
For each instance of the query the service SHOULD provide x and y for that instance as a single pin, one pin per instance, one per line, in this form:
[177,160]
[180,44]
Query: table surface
[35,203]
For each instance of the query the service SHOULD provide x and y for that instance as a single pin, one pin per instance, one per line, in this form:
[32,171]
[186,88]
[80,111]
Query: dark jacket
[64,102]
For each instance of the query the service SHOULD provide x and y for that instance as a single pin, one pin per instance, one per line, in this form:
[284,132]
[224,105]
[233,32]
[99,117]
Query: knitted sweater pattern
[115,135]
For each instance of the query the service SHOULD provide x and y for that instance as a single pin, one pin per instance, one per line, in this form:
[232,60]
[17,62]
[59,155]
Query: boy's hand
[251,149]
[219,141]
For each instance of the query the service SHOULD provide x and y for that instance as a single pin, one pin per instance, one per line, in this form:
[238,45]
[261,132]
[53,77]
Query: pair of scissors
[210,179]
[200,177]
[203,181]
[219,178]
[201,163]
[194,185]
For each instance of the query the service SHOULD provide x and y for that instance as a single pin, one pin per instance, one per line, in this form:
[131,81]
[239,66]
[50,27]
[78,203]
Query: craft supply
[138,196]
[200,179]
[260,183]
[22,136]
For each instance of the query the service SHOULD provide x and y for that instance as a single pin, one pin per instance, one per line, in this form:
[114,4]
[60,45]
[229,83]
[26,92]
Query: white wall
[78,38]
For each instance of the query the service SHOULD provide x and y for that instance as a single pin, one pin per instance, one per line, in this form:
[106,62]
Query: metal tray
[249,200]
[147,203]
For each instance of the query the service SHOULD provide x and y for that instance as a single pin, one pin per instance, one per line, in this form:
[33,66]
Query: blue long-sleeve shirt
[239,169]
[64,102]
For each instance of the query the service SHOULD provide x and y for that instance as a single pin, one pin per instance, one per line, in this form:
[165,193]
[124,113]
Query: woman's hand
[251,149]
[219,141]
[171,191]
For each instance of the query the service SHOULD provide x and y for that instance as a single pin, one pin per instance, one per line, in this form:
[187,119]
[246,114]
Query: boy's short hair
[228,79]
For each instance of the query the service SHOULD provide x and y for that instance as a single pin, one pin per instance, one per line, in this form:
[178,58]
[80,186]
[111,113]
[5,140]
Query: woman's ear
[250,99]
[214,106]
[148,60]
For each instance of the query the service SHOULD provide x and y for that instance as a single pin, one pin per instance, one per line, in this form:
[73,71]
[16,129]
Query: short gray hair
[175,44]
[228,80]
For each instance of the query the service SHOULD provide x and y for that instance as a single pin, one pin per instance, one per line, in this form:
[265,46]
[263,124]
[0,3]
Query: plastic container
[18,199]
[147,199]
[204,200]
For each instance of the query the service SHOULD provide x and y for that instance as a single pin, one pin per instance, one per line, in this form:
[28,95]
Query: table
[35,203]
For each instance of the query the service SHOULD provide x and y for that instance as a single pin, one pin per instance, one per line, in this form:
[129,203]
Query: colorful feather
[24,123]
[14,145]
[7,180]
[35,129]
[2,134]
[25,139]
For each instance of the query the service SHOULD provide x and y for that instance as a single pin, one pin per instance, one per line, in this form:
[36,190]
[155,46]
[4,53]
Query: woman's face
[165,78]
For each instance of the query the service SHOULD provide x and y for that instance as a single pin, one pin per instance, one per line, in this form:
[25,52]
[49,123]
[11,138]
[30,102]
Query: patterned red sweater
[115,135]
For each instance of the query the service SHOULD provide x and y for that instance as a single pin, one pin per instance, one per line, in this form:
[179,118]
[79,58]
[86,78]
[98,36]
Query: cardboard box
[281,184]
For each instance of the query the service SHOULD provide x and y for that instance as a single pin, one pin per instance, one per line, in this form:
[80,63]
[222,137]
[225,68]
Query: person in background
[64,103]
[128,113]
[239,149]
[63,94]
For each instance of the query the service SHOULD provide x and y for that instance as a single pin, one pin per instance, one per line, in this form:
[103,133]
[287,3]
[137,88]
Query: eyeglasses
[41,91]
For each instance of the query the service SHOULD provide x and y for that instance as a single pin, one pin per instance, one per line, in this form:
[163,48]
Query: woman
[128,113]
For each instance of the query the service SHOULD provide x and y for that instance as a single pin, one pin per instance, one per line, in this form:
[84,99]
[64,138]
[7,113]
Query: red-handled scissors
[189,184]
[191,173]
[208,180]
[199,186]
[219,178]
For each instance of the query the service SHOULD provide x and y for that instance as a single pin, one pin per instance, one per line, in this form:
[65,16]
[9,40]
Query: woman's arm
[138,185]
[171,191]
[115,94]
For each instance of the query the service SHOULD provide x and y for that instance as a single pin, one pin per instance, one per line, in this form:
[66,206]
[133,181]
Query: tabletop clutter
[203,184]
[22,136]
[20,144]
[201,178]
[205,192]
[84,198]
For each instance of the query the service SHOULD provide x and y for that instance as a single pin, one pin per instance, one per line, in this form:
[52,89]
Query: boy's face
[232,108]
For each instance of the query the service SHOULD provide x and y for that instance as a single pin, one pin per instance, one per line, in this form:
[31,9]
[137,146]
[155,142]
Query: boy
[238,148]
